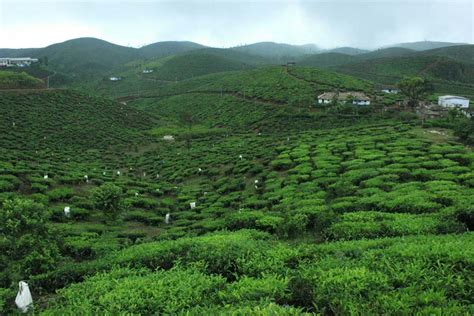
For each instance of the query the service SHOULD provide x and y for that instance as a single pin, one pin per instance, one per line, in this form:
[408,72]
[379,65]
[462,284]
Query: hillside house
[17,62]
[147,71]
[115,78]
[451,101]
[390,90]
[358,98]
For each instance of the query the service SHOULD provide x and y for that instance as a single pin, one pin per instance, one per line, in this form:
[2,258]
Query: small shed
[452,101]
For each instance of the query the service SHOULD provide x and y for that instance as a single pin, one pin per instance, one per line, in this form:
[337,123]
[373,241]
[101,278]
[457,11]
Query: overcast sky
[223,23]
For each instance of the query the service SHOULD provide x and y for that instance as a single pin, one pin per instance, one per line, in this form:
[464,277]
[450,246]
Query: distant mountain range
[82,60]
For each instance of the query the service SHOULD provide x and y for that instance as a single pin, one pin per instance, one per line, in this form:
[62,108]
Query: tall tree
[414,89]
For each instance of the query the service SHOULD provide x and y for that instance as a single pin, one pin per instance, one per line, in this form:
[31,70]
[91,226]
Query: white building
[390,90]
[451,101]
[358,98]
[17,62]
[147,71]
[115,78]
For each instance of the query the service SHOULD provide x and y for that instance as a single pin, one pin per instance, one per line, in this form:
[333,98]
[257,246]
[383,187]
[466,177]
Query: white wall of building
[453,101]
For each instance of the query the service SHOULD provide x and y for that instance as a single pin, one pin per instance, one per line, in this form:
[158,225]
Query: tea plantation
[257,201]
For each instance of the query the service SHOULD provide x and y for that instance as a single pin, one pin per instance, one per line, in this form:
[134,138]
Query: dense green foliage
[55,118]
[275,205]
[18,80]
[27,245]
[415,89]
[450,76]
[108,198]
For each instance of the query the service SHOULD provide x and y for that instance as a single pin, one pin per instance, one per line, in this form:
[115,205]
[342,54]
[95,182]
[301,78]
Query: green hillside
[425,45]
[348,51]
[18,80]
[84,57]
[194,65]
[60,118]
[231,191]
[251,246]
[386,52]
[449,75]
[461,53]
[325,60]
[163,49]
[277,51]
[240,56]
[168,70]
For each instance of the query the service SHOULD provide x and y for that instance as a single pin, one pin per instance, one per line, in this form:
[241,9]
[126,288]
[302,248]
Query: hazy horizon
[222,23]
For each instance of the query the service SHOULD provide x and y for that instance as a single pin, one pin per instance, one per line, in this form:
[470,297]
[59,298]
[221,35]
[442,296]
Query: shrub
[28,246]
[270,288]
[60,194]
[140,292]
[293,225]
[108,199]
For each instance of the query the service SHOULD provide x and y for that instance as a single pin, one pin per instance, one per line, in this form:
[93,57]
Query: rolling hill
[437,68]
[325,60]
[163,49]
[348,51]
[50,119]
[386,52]
[85,56]
[425,45]
[194,65]
[462,53]
[450,76]
[277,51]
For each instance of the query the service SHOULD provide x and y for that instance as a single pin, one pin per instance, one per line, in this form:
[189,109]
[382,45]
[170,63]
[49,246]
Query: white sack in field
[23,299]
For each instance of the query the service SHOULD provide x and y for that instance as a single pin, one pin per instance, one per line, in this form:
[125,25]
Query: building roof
[19,59]
[344,96]
[445,97]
